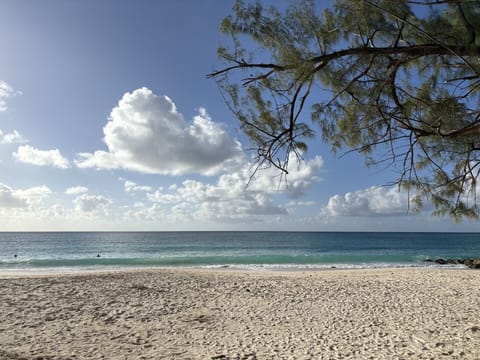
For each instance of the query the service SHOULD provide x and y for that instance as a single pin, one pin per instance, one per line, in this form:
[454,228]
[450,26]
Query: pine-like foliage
[396,80]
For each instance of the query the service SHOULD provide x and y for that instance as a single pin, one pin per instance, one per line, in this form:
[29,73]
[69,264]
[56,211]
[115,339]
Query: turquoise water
[252,250]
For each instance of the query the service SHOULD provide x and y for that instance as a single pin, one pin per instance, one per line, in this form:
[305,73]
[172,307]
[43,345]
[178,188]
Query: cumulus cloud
[302,203]
[10,199]
[230,198]
[76,190]
[91,203]
[17,198]
[300,176]
[30,155]
[6,91]
[12,138]
[160,197]
[212,201]
[374,201]
[146,133]
[131,186]
[36,194]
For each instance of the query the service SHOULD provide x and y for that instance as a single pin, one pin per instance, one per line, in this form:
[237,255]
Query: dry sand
[197,314]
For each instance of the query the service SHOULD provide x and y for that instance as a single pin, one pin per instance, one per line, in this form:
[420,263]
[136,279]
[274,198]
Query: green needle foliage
[396,80]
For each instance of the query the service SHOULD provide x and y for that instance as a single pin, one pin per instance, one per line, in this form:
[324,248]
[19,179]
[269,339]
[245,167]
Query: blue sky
[108,122]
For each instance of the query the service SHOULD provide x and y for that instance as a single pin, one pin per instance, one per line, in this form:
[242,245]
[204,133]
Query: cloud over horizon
[17,198]
[91,203]
[146,133]
[10,198]
[231,199]
[301,174]
[374,201]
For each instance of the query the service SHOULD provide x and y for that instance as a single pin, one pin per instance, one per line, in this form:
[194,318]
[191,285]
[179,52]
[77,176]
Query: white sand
[196,314]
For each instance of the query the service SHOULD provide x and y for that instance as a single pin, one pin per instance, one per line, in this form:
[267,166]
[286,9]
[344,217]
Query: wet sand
[225,314]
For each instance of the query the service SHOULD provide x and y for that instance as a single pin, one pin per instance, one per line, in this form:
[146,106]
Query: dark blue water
[256,250]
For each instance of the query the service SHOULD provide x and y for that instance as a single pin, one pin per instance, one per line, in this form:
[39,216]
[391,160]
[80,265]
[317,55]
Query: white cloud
[299,178]
[374,201]
[11,198]
[131,186]
[12,138]
[36,194]
[302,203]
[160,197]
[6,91]
[30,155]
[231,199]
[90,203]
[76,190]
[146,133]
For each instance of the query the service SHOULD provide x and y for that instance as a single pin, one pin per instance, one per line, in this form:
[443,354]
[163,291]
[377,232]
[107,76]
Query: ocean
[75,251]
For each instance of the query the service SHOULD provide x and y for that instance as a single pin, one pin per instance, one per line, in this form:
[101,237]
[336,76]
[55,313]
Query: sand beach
[226,314]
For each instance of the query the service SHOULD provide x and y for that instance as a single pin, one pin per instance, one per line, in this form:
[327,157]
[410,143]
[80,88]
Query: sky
[108,122]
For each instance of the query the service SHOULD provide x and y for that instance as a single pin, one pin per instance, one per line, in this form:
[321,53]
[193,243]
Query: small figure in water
[98,255]
[15,256]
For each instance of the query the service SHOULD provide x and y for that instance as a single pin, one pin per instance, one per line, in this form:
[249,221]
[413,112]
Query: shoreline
[236,314]
[53,273]
[254,268]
